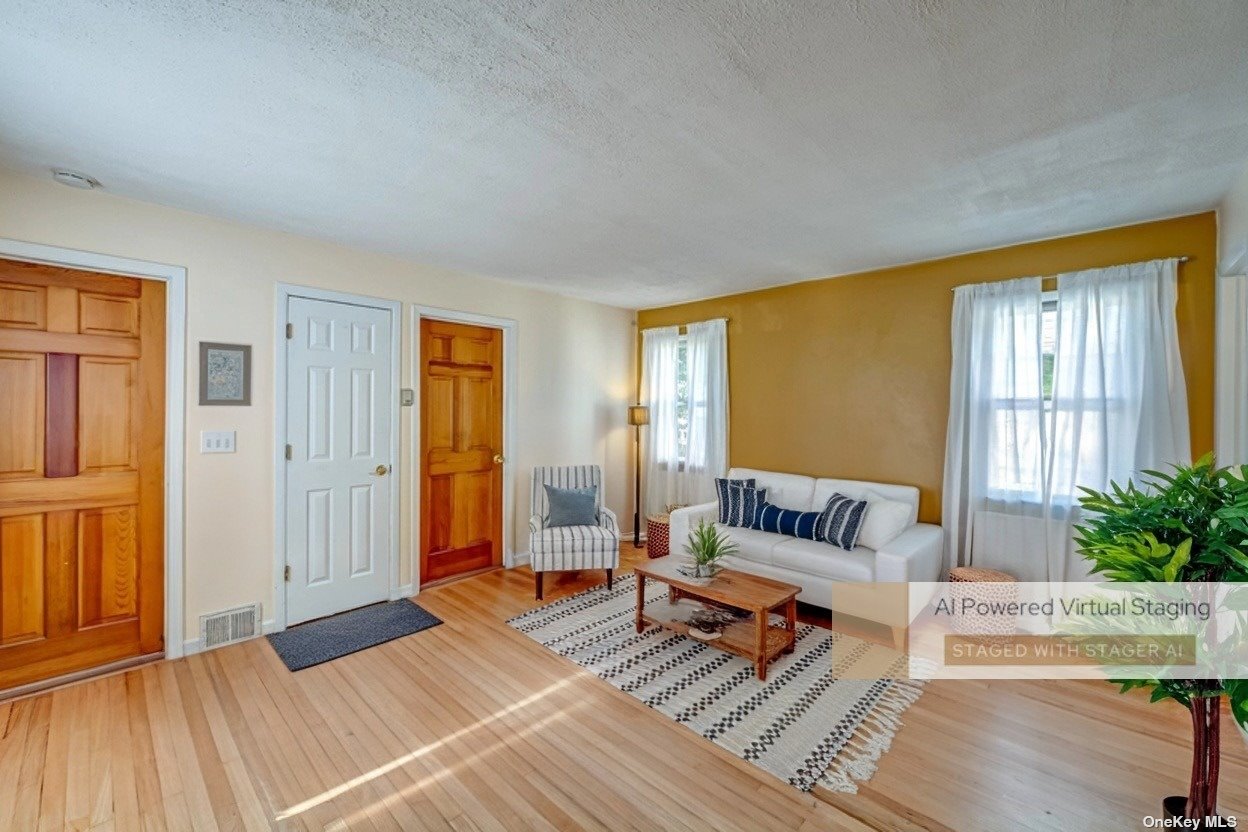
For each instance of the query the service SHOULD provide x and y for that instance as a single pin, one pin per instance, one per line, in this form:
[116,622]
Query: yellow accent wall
[849,376]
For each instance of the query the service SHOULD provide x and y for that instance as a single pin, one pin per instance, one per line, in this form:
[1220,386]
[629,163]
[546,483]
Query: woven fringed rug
[802,725]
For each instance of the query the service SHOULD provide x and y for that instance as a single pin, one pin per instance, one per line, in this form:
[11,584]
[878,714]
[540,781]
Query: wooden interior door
[82,405]
[461,447]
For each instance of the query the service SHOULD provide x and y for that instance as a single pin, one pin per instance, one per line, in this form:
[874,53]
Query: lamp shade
[638,414]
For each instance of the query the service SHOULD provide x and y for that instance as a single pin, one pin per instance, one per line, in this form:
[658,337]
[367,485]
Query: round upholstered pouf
[982,586]
[657,528]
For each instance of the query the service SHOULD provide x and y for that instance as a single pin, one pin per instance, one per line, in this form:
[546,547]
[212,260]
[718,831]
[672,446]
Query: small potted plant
[707,544]
[1188,526]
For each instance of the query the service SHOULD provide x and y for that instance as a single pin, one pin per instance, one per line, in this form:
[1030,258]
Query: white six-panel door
[338,477]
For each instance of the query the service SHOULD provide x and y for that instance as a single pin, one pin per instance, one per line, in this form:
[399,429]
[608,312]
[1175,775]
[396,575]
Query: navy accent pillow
[725,499]
[842,521]
[788,521]
[743,504]
[571,506]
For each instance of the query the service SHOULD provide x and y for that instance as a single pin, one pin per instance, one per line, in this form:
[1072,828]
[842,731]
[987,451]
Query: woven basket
[982,585]
[658,527]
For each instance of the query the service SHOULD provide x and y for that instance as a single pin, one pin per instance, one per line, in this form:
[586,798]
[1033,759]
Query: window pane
[682,399]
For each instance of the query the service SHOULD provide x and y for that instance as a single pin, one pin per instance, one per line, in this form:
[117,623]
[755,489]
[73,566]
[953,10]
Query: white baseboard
[521,559]
[404,591]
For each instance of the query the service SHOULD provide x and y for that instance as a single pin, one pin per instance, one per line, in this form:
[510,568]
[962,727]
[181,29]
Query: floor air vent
[229,626]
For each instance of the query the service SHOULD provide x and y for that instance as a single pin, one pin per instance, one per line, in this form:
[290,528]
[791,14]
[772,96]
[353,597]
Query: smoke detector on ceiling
[75,179]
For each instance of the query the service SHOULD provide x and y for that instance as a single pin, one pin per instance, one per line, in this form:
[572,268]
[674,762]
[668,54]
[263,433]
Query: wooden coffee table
[754,639]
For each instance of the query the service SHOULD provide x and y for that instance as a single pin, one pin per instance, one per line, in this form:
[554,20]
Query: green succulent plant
[708,543]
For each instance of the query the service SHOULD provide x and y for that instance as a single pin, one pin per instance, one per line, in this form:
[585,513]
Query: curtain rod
[1182,259]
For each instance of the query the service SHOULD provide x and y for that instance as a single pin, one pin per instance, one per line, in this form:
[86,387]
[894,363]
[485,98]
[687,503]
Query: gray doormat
[340,635]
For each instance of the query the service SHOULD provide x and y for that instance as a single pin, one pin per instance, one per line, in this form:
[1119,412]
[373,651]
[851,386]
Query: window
[1048,346]
[1016,447]
[682,400]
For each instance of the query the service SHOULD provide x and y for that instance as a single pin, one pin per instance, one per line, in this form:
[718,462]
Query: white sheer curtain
[1017,454]
[995,440]
[677,472]
[707,452]
[1232,380]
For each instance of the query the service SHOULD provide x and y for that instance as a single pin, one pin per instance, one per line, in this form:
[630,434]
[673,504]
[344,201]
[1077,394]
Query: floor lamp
[638,415]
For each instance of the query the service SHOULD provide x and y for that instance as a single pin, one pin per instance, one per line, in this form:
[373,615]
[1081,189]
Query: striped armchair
[561,548]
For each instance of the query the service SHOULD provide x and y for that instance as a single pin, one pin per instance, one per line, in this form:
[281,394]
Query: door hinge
[290,452]
[290,331]
[286,574]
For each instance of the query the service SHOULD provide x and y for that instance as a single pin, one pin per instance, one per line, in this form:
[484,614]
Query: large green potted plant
[1187,526]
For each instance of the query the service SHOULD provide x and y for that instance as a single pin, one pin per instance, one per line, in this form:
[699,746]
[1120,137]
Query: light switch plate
[216,441]
[407,397]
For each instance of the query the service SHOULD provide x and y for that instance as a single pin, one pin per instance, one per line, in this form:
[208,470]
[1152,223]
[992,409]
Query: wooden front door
[461,447]
[82,407]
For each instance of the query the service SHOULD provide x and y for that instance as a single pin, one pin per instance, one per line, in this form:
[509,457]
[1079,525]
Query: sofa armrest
[683,519]
[914,555]
[606,519]
[536,524]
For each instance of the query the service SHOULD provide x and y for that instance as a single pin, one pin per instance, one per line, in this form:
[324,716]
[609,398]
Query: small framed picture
[224,374]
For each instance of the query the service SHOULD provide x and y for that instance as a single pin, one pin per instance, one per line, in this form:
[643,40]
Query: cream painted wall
[575,365]
[1233,228]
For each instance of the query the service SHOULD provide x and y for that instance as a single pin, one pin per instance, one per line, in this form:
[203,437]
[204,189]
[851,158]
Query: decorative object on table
[594,545]
[657,526]
[1187,526]
[982,586]
[709,622]
[224,374]
[834,740]
[638,415]
[707,545]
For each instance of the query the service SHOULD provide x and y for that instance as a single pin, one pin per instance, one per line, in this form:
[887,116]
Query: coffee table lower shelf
[740,638]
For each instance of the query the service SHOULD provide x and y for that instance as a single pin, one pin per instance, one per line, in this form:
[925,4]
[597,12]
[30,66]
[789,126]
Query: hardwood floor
[471,726]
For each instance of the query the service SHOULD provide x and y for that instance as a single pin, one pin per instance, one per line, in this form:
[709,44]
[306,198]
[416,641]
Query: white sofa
[915,554]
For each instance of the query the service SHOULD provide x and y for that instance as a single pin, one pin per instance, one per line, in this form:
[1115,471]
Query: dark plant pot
[1175,806]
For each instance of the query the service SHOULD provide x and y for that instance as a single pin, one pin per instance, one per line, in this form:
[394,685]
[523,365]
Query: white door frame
[284,292]
[508,326]
[174,278]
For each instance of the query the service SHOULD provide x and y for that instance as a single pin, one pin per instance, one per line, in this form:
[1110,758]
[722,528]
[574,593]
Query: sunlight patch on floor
[417,753]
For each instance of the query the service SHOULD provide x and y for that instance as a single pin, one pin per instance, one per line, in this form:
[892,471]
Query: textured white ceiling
[639,152]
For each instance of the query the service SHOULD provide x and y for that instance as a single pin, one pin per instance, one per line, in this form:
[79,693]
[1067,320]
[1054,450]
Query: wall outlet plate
[407,397]
[216,441]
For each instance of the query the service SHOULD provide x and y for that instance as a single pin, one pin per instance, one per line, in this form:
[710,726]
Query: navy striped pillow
[751,500]
[841,521]
[788,521]
[725,500]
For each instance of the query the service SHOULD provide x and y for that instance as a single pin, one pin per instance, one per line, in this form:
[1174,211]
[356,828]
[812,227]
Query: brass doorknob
[381,470]
[499,459]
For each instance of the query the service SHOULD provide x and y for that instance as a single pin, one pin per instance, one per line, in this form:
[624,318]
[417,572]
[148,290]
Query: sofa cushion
[784,490]
[752,544]
[885,519]
[861,490]
[818,558]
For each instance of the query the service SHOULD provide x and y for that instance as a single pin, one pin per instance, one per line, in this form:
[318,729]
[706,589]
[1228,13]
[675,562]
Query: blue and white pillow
[788,521]
[750,499]
[726,513]
[841,521]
